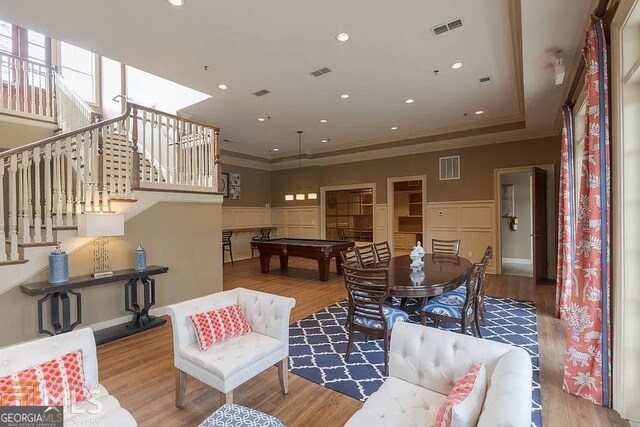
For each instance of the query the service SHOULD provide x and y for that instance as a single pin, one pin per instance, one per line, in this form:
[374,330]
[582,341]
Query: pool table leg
[339,264]
[284,262]
[265,260]
[323,268]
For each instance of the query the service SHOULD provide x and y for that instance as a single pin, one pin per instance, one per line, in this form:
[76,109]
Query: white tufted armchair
[224,366]
[424,363]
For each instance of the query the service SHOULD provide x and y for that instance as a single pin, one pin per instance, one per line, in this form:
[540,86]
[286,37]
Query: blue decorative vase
[140,258]
[58,266]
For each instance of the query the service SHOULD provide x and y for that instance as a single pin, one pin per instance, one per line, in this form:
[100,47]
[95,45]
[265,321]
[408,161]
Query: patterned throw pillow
[464,403]
[219,325]
[58,382]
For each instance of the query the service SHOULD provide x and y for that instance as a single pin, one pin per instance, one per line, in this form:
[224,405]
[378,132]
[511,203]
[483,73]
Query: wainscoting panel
[244,217]
[297,222]
[471,222]
[380,231]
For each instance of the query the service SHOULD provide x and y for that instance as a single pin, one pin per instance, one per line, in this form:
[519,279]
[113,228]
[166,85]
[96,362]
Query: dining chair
[350,257]
[226,245]
[366,255]
[455,307]
[445,247]
[265,234]
[462,289]
[368,288]
[383,251]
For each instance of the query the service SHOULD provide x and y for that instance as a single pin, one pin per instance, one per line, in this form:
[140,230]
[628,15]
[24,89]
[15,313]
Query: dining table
[439,274]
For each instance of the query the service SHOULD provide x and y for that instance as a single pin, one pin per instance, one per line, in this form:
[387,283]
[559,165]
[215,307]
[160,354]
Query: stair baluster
[13,208]
[3,252]
[48,206]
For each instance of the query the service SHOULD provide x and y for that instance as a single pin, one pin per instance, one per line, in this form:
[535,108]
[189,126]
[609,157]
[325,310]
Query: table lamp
[102,226]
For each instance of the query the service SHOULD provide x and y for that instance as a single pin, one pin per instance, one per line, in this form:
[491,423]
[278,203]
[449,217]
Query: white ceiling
[255,44]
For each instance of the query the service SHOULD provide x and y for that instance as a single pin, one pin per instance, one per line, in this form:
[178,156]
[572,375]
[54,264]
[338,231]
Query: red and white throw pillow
[219,325]
[464,403]
[57,382]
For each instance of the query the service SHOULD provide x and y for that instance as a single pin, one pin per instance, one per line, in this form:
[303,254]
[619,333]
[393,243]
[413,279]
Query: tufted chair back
[264,313]
[28,354]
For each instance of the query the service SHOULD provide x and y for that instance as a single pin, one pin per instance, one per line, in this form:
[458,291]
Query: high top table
[58,296]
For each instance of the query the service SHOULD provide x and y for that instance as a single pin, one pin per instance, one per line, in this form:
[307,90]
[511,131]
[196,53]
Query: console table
[58,297]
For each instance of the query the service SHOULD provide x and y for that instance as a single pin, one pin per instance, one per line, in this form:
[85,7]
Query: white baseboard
[517,261]
[157,311]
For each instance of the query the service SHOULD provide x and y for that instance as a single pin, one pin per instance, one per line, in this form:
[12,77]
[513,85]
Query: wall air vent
[485,81]
[261,92]
[321,71]
[443,28]
[449,168]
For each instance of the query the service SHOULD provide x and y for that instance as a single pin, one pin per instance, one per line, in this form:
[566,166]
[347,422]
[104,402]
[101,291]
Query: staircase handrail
[90,113]
[65,135]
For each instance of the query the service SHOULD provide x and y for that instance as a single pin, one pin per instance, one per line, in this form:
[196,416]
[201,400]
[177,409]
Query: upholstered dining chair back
[368,288]
[350,257]
[445,247]
[226,237]
[473,283]
[366,255]
[383,251]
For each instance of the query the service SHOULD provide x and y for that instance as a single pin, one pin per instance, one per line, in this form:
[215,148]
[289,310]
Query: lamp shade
[100,225]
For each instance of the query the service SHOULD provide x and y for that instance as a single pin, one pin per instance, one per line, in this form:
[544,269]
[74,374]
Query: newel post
[135,160]
[217,173]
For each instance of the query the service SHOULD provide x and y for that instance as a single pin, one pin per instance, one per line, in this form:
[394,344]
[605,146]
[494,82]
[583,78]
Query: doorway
[406,204]
[525,201]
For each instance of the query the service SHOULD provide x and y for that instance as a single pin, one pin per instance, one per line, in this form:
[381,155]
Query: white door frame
[390,207]
[551,213]
[323,194]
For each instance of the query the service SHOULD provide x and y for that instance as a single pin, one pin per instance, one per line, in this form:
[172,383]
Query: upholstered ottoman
[232,415]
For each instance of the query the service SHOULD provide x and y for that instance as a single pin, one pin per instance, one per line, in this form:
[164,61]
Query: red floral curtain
[566,217]
[587,371]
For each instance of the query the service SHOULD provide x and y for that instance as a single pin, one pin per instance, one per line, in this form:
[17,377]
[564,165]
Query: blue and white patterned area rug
[317,345]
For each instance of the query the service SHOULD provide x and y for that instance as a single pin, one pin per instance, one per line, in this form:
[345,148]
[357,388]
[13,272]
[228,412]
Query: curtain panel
[566,217]
[587,371]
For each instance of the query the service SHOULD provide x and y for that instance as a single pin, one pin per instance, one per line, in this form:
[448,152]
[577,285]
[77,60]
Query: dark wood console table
[58,296]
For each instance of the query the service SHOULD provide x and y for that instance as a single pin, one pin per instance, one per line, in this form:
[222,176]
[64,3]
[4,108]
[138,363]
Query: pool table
[320,250]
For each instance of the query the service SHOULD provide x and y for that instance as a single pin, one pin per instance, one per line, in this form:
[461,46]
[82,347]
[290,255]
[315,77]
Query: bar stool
[265,234]
[226,245]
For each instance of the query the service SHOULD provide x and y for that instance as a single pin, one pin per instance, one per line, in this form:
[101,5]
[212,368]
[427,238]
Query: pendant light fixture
[299,195]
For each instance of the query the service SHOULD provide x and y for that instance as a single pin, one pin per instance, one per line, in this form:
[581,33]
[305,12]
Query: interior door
[539,226]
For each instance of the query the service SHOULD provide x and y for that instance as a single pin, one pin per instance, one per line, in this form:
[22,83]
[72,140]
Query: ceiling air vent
[261,92]
[443,28]
[321,71]
[484,81]
[449,168]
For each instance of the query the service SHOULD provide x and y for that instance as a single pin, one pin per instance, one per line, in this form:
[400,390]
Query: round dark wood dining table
[440,273]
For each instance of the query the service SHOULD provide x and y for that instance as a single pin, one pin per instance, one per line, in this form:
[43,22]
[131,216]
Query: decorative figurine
[58,266]
[416,256]
[140,258]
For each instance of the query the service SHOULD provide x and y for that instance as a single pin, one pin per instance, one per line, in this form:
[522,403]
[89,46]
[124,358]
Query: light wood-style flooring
[139,370]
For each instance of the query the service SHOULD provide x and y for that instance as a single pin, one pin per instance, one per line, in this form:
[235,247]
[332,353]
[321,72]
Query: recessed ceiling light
[394,127]
[409,101]
[479,112]
[323,120]
[325,140]
[342,37]
[457,65]
[344,96]
[223,86]
[261,119]
[176,2]
[275,149]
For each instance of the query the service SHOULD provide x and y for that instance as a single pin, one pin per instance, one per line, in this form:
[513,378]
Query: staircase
[125,164]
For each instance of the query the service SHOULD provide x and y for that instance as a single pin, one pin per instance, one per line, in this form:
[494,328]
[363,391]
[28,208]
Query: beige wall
[517,244]
[13,135]
[190,248]
[476,176]
[255,186]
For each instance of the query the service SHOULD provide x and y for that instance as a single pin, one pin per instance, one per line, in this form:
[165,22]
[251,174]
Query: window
[349,215]
[6,37]
[36,47]
[78,67]
[578,147]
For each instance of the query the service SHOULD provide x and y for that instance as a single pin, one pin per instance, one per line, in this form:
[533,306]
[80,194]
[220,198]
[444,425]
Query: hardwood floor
[139,370]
